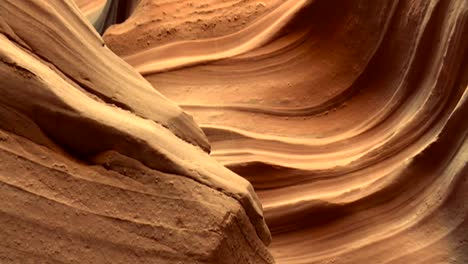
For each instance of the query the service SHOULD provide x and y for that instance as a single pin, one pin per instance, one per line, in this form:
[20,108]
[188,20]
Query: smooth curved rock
[349,117]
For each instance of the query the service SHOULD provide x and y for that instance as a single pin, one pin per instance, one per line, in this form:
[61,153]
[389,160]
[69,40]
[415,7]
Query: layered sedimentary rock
[349,117]
[96,166]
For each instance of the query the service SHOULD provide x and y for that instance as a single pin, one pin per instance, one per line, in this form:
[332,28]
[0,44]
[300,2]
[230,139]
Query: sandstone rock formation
[96,166]
[349,117]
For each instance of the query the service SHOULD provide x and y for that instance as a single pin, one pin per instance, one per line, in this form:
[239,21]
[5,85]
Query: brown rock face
[96,166]
[349,117]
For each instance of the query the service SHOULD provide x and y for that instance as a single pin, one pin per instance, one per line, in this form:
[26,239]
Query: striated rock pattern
[350,118]
[96,166]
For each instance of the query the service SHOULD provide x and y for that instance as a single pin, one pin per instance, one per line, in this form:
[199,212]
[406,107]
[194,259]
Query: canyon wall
[96,166]
[349,117]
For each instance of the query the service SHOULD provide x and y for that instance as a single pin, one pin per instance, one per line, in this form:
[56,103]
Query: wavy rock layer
[349,117]
[95,164]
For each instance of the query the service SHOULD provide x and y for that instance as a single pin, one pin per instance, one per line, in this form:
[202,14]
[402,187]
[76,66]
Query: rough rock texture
[55,209]
[349,117]
[96,166]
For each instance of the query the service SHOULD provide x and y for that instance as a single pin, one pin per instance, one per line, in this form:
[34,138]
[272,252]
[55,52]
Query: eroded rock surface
[96,166]
[349,117]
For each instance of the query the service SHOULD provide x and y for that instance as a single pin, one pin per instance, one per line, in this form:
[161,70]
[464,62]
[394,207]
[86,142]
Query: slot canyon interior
[234,131]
